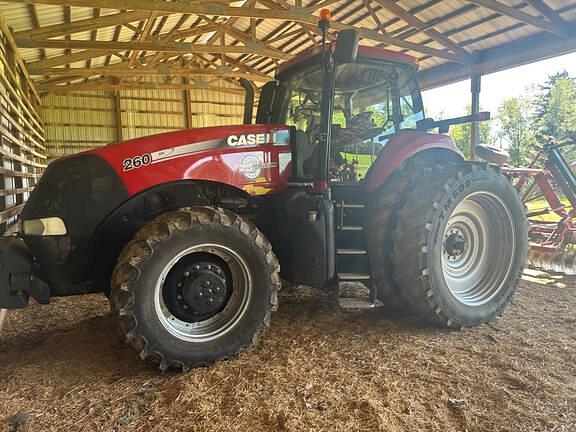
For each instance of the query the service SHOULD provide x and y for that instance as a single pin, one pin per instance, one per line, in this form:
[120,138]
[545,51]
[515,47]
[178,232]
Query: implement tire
[195,286]
[460,245]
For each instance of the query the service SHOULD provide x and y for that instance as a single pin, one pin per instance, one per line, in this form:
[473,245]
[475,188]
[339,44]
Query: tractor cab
[374,97]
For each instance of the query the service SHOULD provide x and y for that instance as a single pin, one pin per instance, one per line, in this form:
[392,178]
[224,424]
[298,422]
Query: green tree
[517,128]
[555,106]
[461,134]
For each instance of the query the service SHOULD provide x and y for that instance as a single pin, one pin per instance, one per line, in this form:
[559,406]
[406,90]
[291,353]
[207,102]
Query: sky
[453,99]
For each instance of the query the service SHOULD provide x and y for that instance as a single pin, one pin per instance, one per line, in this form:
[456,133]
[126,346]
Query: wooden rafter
[116,71]
[554,17]
[521,16]
[134,86]
[33,11]
[293,14]
[146,30]
[178,47]
[67,20]
[94,23]
[417,23]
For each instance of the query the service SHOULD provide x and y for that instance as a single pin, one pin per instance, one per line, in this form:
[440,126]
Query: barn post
[475,84]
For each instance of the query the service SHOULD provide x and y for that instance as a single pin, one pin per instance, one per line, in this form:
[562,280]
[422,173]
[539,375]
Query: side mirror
[346,46]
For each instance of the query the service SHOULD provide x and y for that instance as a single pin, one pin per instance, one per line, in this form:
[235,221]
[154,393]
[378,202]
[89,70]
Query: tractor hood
[243,156]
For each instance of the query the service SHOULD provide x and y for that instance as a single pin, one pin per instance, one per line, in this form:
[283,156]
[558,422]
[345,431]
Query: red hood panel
[254,158]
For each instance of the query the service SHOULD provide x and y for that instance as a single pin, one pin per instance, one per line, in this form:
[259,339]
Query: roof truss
[222,47]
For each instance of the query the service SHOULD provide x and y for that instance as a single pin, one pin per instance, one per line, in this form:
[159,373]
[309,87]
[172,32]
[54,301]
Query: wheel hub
[197,288]
[204,291]
[455,244]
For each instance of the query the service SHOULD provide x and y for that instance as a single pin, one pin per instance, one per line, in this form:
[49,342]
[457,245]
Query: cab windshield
[373,101]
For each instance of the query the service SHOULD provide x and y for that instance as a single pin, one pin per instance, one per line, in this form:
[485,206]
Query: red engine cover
[255,158]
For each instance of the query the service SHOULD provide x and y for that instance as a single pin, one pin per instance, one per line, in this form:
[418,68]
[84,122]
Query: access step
[351,251]
[351,228]
[353,276]
[358,303]
[350,205]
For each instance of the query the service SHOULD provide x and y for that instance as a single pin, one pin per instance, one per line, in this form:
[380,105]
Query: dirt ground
[63,368]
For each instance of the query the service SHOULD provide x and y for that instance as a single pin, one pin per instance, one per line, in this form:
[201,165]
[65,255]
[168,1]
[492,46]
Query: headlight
[51,226]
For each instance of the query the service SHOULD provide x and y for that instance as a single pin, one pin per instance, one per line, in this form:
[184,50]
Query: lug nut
[179,297]
[186,274]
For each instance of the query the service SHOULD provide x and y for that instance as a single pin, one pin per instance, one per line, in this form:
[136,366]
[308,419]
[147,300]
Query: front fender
[403,146]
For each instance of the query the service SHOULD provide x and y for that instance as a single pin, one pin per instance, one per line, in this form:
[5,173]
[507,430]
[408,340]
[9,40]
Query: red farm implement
[550,198]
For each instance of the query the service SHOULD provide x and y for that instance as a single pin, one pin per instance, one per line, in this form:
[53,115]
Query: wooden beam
[187,106]
[83,25]
[65,59]
[156,71]
[554,17]
[135,86]
[421,25]
[117,116]
[93,34]
[518,15]
[36,22]
[304,15]
[141,38]
[178,47]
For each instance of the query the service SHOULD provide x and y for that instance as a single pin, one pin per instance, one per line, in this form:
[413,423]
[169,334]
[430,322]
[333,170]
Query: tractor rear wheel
[195,286]
[460,244]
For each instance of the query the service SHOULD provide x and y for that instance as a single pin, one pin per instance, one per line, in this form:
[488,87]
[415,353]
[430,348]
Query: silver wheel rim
[479,245]
[225,320]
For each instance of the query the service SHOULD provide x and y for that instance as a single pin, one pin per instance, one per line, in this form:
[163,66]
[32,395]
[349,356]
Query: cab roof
[364,52]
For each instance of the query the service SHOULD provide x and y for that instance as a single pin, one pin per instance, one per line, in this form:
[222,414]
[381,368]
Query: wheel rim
[478,248]
[192,278]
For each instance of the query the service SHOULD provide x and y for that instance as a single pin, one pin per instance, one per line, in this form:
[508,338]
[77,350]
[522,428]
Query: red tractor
[189,232]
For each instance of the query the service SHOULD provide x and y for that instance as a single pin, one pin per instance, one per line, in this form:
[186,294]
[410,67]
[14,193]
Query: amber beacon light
[325,15]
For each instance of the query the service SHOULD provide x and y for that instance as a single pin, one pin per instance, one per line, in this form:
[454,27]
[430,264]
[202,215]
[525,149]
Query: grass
[364,161]
[540,204]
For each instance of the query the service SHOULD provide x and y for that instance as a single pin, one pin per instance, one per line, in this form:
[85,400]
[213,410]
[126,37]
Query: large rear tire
[195,286]
[460,245]
[381,220]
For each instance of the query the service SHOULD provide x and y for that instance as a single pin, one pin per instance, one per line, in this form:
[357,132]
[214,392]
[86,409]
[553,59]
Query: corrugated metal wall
[83,121]
[75,123]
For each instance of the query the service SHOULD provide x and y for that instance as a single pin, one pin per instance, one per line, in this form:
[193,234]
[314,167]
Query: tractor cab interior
[373,101]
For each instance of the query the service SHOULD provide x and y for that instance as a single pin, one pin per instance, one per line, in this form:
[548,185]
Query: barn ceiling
[76,45]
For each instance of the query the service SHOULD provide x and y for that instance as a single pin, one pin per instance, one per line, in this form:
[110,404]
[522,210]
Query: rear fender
[405,145]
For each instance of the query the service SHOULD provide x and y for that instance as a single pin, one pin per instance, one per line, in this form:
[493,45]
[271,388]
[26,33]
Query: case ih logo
[280,137]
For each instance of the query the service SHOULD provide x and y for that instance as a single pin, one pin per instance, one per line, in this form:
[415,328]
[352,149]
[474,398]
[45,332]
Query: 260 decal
[136,162]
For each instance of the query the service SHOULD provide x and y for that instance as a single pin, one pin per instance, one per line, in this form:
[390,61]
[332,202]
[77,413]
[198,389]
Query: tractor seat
[492,154]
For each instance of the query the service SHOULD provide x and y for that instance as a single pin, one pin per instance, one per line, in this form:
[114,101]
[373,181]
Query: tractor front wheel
[460,244]
[194,286]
